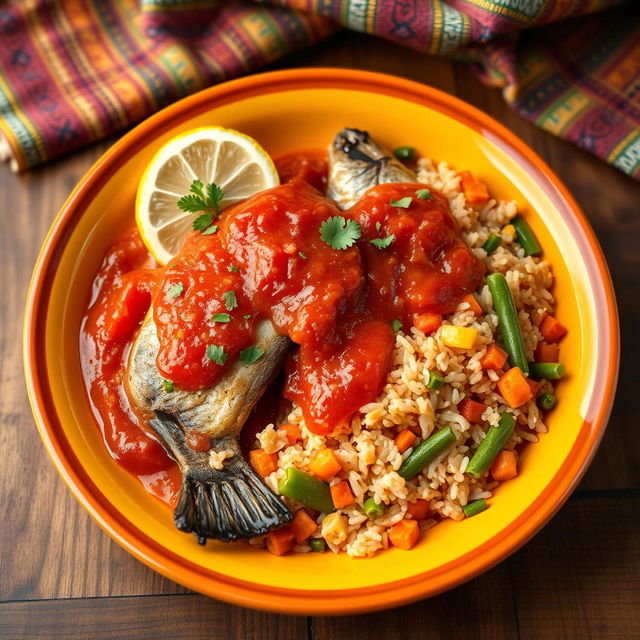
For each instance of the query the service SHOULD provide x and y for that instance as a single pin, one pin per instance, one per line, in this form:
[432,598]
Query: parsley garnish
[403,203]
[396,325]
[378,226]
[251,354]
[175,290]
[302,255]
[210,230]
[202,198]
[216,354]
[230,301]
[232,268]
[221,317]
[383,243]
[246,316]
[167,385]
[340,233]
[424,194]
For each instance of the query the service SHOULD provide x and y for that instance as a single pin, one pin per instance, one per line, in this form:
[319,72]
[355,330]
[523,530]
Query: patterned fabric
[75,71]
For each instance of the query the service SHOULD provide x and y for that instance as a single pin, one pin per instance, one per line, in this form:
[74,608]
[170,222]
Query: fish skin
[232,502]
[358,163]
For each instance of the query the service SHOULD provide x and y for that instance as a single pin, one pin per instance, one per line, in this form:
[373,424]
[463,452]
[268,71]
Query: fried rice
[366,449]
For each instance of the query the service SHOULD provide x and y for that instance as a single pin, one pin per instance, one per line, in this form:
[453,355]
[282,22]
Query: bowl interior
[285,119]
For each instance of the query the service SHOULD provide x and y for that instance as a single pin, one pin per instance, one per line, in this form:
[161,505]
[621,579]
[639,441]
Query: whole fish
[224,504]
[357,163]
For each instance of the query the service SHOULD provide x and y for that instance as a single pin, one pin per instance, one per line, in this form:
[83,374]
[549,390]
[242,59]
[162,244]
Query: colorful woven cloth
[75,71]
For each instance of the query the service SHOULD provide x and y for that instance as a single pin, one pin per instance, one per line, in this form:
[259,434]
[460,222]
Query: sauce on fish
[268,260]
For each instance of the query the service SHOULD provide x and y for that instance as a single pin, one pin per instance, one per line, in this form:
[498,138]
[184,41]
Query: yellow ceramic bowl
[285,111]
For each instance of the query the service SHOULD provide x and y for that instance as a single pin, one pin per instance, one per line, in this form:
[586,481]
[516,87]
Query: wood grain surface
[62,577]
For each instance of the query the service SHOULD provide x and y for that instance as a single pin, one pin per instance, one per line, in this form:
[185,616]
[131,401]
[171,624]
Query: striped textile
[75,71]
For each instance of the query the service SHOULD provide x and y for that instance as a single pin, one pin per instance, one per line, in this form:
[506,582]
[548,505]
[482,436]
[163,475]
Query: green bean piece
[426,451]
[546,370]
[526,237]
[475,507]
[406,154]
[508,320]
[547,401]
[372,509]
[434,380]
[489,448]
[306,490]
[492,243]
[318,545]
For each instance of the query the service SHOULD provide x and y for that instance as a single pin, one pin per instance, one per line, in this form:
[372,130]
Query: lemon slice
[230,159]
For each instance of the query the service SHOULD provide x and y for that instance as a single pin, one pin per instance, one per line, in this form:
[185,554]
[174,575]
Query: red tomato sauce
[267,260]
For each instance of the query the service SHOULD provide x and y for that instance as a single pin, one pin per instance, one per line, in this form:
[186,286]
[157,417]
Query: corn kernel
[458,337]
[334,529]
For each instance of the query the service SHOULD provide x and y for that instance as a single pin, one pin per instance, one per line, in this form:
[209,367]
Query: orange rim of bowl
[289,600]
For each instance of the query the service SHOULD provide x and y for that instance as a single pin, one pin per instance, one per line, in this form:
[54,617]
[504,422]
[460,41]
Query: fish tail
[226,504]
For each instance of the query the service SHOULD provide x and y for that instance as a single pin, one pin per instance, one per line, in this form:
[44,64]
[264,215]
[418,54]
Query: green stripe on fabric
[27,142]
[628,160]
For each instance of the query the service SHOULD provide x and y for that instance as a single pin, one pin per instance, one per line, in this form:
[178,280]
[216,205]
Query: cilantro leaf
[175,290]
[302,255]
[246,316]
[340,233]
[221,317]
[230,301]
[202,198]
[424,194]
[167,385]
[210,230]
[383,243]
[396,325]
[251,354]
[403,203]
[232,268]
[216,354]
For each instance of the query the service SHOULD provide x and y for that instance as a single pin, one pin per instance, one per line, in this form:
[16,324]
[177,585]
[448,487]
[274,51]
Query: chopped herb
[221,317]
[205,199]
[251,354]
[167,385]
[175,290]
[406,154]
[210,230]
[232,268]
[216,354]
[396,326]
[403,203]
[378,226]
[230,301]
[383,243]
[302,255]
[246,316]
[340,233]
[424,194]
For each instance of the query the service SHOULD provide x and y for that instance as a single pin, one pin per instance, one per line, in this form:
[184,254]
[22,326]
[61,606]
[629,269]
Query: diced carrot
[504,466]
[494,358]
[324,464]
[547,352]
[551,329]
[534,385]
[471,410]
[404,534]
[341,494]
[475,192]
[264,463]
[280,541]
[470,299]
[427,322]
[419,509]
[514,388]
[293,433]
[404,440]
[302,526]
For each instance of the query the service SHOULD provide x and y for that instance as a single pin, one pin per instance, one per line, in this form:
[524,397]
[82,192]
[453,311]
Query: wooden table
[61,576]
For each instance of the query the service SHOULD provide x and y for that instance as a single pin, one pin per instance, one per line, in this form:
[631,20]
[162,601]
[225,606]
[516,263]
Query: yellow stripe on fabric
[81,27]
[180,64]
[628,159]
[214,66]
[175,7]
[615,152]
[530,68]
[436,29]
[372,9]
[264,33]
[22,117]
[58,71]
[531,9]
[557,119]
[14,144]
[236,51]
